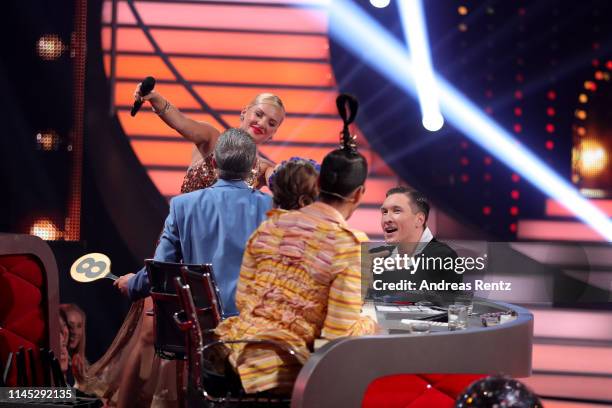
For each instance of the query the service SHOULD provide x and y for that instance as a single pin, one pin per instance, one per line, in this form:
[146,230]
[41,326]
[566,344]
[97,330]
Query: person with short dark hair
[404,215]
[294,183]
[404,218]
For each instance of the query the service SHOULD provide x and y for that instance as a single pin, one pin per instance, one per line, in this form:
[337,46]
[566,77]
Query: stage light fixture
[50,47]
[415,30]
[356,31]
[592,158]
[45,229]
[48,140]
[380,3]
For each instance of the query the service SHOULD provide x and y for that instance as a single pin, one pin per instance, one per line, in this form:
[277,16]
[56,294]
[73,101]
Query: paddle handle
[111,276]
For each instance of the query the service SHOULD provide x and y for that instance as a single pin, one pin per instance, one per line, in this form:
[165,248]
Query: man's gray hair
[235,154]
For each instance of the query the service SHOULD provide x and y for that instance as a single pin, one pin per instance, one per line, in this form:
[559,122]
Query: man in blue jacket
[212,225]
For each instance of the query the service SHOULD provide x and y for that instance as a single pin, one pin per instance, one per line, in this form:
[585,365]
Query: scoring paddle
[91,267]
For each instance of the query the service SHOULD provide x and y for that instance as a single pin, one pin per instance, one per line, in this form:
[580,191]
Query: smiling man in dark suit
[404,215]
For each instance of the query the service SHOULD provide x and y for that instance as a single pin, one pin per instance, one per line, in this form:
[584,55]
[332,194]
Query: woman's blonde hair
[72,307]
[268,98]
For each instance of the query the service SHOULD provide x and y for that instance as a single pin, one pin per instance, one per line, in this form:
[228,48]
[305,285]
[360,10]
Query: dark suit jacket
[435,254]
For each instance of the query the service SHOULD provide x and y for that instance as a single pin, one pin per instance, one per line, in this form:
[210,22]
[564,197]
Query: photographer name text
[406,285]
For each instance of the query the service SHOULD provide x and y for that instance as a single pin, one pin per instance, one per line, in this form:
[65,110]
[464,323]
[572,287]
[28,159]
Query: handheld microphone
[383,248]
[146,86]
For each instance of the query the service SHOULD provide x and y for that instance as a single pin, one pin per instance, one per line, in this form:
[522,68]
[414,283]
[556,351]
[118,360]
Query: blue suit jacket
[211,225]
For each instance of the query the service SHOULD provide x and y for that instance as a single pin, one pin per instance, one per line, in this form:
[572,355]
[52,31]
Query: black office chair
[205,385]
[169,341]
[205,293]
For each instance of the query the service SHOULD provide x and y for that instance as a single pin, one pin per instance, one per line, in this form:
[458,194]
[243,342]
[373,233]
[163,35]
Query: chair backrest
[205,294]
[188,322]
[29,301]
[161,275]
[169,340]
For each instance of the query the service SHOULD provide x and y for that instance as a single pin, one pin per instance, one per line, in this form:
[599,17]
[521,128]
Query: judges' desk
[338,374]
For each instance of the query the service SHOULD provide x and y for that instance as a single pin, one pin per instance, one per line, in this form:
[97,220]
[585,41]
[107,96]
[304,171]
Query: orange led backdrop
[225,54]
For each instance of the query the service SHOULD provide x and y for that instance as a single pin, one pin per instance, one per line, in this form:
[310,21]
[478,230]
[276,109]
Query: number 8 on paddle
[91,267]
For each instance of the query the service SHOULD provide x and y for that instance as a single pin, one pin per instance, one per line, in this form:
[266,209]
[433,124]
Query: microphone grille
[147,85]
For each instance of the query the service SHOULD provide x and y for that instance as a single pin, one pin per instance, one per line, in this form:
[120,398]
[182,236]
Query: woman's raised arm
[202,134]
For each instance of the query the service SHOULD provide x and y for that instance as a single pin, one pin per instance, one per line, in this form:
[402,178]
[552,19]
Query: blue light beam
[366,39]
[415,31]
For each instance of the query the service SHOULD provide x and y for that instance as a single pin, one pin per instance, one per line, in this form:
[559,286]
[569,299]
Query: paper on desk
[408,309]
[387,308]
[433,324]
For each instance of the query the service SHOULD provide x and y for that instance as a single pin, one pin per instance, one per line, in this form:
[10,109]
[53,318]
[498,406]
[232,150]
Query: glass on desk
[457,317]
[465,298]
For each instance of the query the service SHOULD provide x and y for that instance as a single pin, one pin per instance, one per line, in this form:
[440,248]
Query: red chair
[417,390]
[29,301]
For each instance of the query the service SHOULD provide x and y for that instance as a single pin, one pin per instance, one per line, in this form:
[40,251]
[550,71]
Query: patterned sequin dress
[202,174]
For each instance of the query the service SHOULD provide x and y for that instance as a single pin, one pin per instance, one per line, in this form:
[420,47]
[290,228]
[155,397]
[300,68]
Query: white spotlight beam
[415,30]
[380,3]
[358,32]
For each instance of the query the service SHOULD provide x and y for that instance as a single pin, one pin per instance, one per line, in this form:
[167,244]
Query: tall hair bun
[332,177]
[347,108]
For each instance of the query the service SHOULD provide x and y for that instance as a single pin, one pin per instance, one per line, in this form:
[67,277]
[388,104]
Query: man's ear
[420,219]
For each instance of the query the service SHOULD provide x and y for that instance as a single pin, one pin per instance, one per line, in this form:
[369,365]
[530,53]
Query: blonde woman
[261,118]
